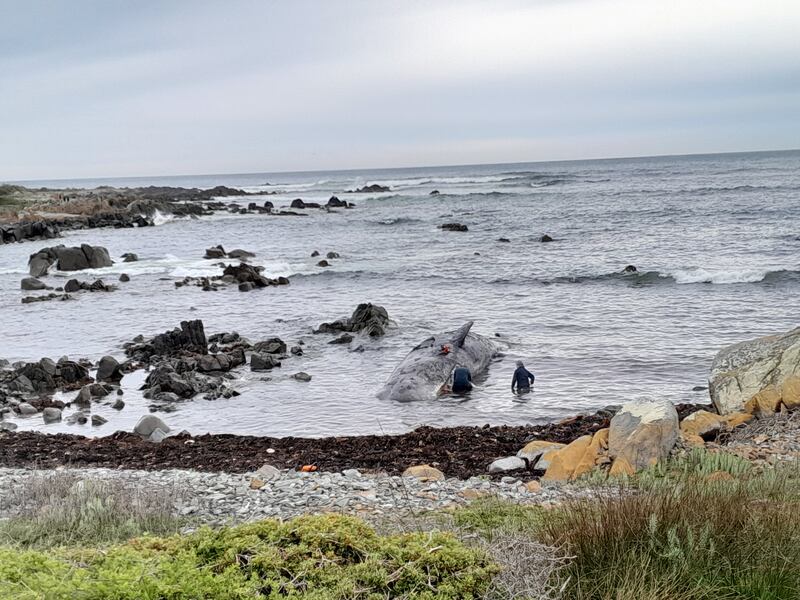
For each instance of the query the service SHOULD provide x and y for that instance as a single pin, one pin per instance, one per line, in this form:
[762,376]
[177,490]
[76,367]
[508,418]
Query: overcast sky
[92,88]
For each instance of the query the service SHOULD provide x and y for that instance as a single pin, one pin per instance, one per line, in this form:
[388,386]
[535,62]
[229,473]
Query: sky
[104,88]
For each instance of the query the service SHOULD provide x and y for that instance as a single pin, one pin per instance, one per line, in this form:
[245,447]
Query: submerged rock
[453,227]
[32,284]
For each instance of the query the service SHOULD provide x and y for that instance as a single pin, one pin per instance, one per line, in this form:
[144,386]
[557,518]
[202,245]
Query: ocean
[715,239]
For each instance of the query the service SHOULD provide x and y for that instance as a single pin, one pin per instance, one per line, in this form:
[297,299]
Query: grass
[670,533]
[63,510]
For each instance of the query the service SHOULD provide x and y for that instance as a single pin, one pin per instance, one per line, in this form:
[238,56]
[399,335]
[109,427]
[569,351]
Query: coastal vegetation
[701,525]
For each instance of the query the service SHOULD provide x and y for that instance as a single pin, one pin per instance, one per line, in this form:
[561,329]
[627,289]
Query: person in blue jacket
[462,380]
[523,379]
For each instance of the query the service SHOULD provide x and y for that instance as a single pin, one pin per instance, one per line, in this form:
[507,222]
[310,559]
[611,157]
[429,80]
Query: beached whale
[427,368]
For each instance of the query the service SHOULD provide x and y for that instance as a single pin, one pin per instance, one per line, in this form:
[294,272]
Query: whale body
[425,370]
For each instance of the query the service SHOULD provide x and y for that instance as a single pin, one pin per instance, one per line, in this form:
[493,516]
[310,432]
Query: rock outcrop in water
[73,285]
[183,364]
[32,230]
[375,188]
[68,259]
[247,277]
[371,319]
[453,227]
[188,339]
[757,376]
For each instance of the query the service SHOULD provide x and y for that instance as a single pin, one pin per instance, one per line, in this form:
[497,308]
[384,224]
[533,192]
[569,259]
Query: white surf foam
[724,276]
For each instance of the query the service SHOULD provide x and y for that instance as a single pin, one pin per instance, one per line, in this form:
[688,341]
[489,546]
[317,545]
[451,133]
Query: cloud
[113,88]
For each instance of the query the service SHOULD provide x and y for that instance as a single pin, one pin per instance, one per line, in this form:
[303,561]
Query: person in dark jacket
[523,379]
[462,380]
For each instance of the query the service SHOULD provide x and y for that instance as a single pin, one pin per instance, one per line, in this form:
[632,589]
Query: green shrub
[322,557]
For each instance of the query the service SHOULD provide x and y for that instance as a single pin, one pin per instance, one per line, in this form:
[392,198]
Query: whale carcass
[430,365]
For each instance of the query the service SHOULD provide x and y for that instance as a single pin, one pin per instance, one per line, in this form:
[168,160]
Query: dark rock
[108,369]
[345,338]
[129,257]
[332,255]
[630,269]
[263,362]
[334,202]
[69,259]
[118,404]
[546,238]
[453,227]
[239,253]
[38,266]
[29,299]
[434,193]
[31,283]
[504,240]
[224,361]
[302,376]
[271,346]
[124,278]
[97,420]
[73,285]
[375,188]
[315,254]
[297,351]
[323,263]
[215,252]
[368,318]
[268,205]
[246,286]
[189,339]
[298,203]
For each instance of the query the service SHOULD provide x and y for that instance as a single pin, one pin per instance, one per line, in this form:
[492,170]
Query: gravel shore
[222,498]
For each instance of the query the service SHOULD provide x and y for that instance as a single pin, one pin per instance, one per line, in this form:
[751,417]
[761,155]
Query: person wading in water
[522,380]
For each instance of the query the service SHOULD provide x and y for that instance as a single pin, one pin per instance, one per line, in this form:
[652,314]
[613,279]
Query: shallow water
[715,239]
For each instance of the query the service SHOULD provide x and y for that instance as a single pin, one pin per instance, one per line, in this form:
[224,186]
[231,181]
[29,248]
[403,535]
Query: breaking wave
[695,275]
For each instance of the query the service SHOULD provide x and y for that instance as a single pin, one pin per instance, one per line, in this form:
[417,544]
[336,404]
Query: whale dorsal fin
[460,334]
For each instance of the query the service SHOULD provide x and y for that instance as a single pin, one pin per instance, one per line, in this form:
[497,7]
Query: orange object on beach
[445,349]
[308,468]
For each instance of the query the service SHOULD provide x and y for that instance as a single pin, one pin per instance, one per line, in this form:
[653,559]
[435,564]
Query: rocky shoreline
[460,452]
[42,214]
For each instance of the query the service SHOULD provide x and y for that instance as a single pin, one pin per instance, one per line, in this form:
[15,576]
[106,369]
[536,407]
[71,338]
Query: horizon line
[445,166]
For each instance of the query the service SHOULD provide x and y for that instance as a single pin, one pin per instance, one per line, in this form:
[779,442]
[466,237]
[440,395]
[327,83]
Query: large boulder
[108,369]
[151,428]
[367,318]
[577,458]
[757,375]
[643,432]
[68,259]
